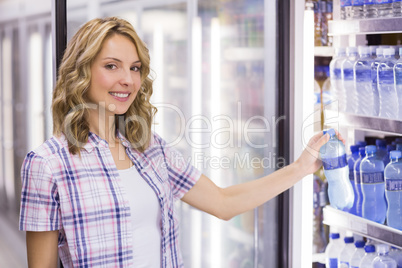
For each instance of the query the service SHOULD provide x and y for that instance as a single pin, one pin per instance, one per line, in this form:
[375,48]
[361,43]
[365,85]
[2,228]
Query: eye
[110,66]
[135,68]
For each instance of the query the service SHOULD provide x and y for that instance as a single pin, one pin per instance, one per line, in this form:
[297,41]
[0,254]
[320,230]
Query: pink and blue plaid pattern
[83,198]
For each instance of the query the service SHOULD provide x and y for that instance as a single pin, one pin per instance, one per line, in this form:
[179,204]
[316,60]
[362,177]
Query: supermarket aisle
[12,243]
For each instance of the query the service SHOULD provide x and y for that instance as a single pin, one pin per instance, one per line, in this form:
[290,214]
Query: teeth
[120,95]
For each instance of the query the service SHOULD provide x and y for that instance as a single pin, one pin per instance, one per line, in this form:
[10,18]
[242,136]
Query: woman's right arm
[42,249]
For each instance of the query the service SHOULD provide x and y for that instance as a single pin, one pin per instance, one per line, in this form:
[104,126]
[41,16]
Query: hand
[309,161]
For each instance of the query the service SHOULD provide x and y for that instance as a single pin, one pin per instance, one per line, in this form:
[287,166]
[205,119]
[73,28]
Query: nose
[127,78]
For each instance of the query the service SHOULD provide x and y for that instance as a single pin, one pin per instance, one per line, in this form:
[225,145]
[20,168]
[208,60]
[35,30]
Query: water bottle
[335,70]
[333,156]
[393,190]
[348,79]
[362,78]
[386,88]
[351,164]
[361,143]
[397,9]
[346,9]
[398,82]
[346,253]
[383,260]
[396,254]
[368,257]
[370,9]
[357,9]
[333,250]
[384,8]
[358,254]
[386,159]
[373,50]
[381,149]
[374,206]
[374,80]
[358,185]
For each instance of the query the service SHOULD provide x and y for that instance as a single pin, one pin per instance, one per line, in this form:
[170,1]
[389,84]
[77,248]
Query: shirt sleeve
[40,206]
[182,174]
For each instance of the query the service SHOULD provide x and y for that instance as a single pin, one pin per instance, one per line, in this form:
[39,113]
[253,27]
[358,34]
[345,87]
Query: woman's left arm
[226,203]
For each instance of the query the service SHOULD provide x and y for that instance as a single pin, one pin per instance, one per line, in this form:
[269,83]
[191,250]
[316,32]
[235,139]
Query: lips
[120,96]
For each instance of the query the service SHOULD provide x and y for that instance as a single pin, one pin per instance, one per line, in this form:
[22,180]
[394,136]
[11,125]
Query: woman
[101,191]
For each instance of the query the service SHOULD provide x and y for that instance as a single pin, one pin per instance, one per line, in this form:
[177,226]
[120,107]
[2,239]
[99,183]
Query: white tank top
[145,218]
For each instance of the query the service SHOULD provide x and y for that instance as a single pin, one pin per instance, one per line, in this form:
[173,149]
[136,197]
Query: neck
[103,125]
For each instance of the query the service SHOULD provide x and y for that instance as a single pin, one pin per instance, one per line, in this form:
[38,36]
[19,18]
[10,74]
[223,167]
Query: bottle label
[393,185]
[333,262]
[345,3]
[357,177]
[351,175]
[334,163]
[337,73]
[384,1]
[363,75]
[369,2]
[372,177]
[357,2]
[348,74]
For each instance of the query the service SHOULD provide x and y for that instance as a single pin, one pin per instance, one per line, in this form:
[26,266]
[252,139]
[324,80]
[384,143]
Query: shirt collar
[95,141]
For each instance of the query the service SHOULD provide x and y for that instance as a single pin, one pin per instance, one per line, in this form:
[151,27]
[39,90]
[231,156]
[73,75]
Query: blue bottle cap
[349,239]
[361,143]
[395,155]
[354,148]
[371,149]
[362,151]
[398,140]
[360,244]
[369,248]
[399,146]
[334,235]
[330,131]
[391,147]
[380,142]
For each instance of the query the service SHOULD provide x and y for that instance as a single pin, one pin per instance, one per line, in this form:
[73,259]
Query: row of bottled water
[359,254]
[365,9]
[368,84]
[360,184]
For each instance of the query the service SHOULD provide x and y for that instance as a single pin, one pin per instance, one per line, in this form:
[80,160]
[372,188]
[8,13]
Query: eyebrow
[116,59]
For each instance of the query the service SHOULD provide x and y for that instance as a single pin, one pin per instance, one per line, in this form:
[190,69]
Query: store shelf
[361,226]
[363,122]
[324,51]
[366,26]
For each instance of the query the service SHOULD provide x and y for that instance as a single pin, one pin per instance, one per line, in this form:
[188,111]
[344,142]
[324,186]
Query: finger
[323,140]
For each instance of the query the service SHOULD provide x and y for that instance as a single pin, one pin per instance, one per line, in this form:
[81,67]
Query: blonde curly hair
[69,105]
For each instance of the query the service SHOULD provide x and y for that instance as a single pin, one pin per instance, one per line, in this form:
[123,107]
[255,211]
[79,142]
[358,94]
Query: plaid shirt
[83,198]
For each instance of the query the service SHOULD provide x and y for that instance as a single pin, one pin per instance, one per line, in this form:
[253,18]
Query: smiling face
[115,76]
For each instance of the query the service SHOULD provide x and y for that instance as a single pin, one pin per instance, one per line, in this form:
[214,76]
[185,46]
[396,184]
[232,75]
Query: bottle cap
[380,143]
[389,51]
[400,51]
[354,148]
[382,248]
[398,140]
[395,154]
[364,50]
[330,131]
[379,51]
[369,248]
[360,244]
[391,147]
[350,50]
[399,146]
[373,49]
[362,151]
[361,143]
[349,239]
[371,149]
[340,51]
[334,235]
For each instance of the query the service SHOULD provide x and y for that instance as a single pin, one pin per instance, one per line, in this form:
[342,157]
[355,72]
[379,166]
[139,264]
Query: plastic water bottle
[370,9]
[368,257]
[383,260]
[373,51]
[396,254]
[398,82]
[333,155]
[357,9]
[386,159]
[381,149]
[358,185]
[348,79]
[374,206]
[386,88]
[384,8]
[346,9]
[333,250]
[351,164]
[346,253]
[335,70]
[358,254]
[393,190]
[397,9]
[362,78]
[374,80]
